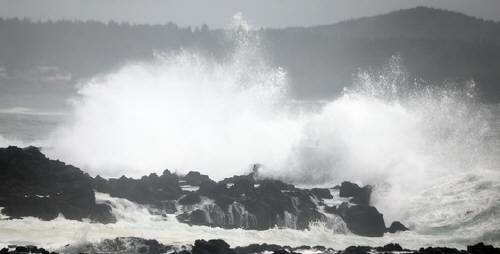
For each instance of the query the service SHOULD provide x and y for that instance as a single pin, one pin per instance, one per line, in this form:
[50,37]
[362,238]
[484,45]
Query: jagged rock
[283,251]
[196,178]
[243,186]
[391,247]
[357,250]
[102,213]
[319,247]
[211,247]
[257,248]
[22,249]
[359,195]
[362,219]
[481,248]
[243,201]
[196,217]
[396,227]
[190,199]
[120,245]
[439,250]
[152,190]
[33,185]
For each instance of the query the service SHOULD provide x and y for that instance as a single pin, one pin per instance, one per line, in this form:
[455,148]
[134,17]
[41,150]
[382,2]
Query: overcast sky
[217,13]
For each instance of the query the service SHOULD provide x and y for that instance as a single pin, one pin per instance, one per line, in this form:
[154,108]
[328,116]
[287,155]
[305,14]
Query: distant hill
[435,45]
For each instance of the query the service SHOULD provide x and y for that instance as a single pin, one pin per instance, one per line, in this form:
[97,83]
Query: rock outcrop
[151,190]
[358,195]
[396,227]
[362,219]
[33,185]
[218,246]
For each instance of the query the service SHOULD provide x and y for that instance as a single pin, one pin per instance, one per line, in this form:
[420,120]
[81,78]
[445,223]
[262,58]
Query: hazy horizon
[217,13]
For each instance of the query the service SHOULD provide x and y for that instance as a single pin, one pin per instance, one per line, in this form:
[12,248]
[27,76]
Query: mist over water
[424,148]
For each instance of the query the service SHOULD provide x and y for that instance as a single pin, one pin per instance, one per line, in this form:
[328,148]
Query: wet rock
[322,193]
[33,185]
[149,190]
[362,220]
[196,178]
[481,248]
[359,195]
[211,247]
[257,248]
[190,199]
[391,247]
[319,247]
[196,217]
[439,250]
[396,227]
[357,250]
[22,249]
[283,251]
[168,206]
[102,213]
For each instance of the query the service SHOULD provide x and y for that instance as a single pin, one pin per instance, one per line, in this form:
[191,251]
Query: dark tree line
[434,45]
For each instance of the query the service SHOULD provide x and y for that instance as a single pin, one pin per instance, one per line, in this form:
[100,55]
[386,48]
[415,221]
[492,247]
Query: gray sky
[217,13]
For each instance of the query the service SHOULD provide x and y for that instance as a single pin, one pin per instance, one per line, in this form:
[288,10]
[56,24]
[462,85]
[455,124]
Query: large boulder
[359,195]
[396,227]
[481,248]
[33,185]
[196,217]
[362,220]
[211,247]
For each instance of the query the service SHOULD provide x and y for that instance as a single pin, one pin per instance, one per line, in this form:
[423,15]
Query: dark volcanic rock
[196,217]
[36,186]
[152,190]
[257,248]
[362,219]
[121,245]
[359,195]
[195,178]
[396,227]
[322,193]
[357,250]
[102,213]
[218,246]
[33,185]
[481,248]
[190,199]
[390,248]
[439,250]
[211,247]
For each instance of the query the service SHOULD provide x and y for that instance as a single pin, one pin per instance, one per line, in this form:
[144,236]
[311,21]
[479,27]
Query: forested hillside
[434,45]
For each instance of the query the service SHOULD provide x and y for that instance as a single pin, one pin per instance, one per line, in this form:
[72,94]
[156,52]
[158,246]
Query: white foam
[136,220]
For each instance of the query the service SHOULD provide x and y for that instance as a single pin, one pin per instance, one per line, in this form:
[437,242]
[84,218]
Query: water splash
[188,112]
[185,112]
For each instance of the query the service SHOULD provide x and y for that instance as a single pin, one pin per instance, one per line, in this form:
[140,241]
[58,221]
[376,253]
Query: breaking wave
[424,148]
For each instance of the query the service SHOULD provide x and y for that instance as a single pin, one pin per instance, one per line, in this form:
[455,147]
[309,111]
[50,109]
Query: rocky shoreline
[36,186]
[217,246]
